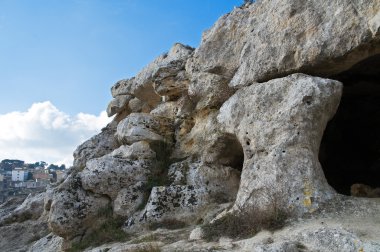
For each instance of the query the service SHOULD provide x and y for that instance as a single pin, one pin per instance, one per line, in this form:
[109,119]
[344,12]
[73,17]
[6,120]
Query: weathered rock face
[237,122]
[280,126]
[221,183]
[22,222]
[144,127]
[312,37]
[107,175]
[165,68]
[31,209]
[118,104]
[73,209]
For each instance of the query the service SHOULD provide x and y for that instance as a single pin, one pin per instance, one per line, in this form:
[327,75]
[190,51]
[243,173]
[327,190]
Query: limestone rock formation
[31,209]
[22,222]
[236,128]
[280,124]
[73,209]
[168,68]
[312,37]
[144,127]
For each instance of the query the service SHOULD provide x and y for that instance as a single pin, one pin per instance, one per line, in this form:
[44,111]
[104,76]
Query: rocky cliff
[225,142]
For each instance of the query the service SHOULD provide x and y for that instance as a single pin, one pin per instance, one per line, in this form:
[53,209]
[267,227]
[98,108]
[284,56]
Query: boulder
[31,209]
[136,151]
[144,127]
[178,202]
[129,199]
[118,104]
[171,79]
[210,90]
[220,182]
[74,210]
[141,86]
[47,243]
[176,110]
[108,175]
[280,125]
[138,106]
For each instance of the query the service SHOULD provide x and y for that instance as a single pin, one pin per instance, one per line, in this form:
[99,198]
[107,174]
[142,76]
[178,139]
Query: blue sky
[59,59]
[70,52]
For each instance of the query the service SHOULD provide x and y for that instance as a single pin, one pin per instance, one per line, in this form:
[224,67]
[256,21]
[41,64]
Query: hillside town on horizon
[18,178]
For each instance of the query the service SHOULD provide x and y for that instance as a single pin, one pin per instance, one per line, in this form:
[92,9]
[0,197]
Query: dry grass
[244,224]
[170,224]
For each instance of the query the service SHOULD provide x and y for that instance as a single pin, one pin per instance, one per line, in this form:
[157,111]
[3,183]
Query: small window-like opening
[350,148]
[231,152]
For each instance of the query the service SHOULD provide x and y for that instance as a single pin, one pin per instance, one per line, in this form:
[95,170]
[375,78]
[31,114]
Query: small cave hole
[350,147]
[231,152]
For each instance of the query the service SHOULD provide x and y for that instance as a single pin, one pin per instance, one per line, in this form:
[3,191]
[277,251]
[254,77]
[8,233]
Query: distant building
[31,184]
[1,178]
[19,174]
[41,175]
[60,175]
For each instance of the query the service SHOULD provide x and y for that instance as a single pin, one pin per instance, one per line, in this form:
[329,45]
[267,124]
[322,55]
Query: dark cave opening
[350,147]
[230,152]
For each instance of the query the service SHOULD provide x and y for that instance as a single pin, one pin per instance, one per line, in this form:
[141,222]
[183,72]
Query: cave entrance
[350,148]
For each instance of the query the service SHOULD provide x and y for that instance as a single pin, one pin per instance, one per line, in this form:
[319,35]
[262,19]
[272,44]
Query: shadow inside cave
[350,147]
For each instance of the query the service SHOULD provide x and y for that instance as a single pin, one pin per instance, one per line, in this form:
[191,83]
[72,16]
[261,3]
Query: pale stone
[196,234]
[31,209]
[280,126]
[74,210]
[220,182]
[118,104]
[209,90]
[129,199]
[166,109]
[176,110]
[141,86]
[177,202]
[48,243]
[202,137]
[136,151]
[271,39]
[138,106]
[144,127]
[171,79]
[108,175]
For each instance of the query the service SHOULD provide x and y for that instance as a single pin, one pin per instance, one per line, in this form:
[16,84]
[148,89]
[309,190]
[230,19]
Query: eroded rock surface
[311,37]
[280,125]
[234,126]
[144,127]
[73,209]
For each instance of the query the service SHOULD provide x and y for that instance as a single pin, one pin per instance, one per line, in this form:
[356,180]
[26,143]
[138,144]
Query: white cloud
[43,133]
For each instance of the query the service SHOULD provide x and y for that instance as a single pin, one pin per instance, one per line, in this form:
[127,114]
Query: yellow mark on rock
[307,202]
[307,192]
